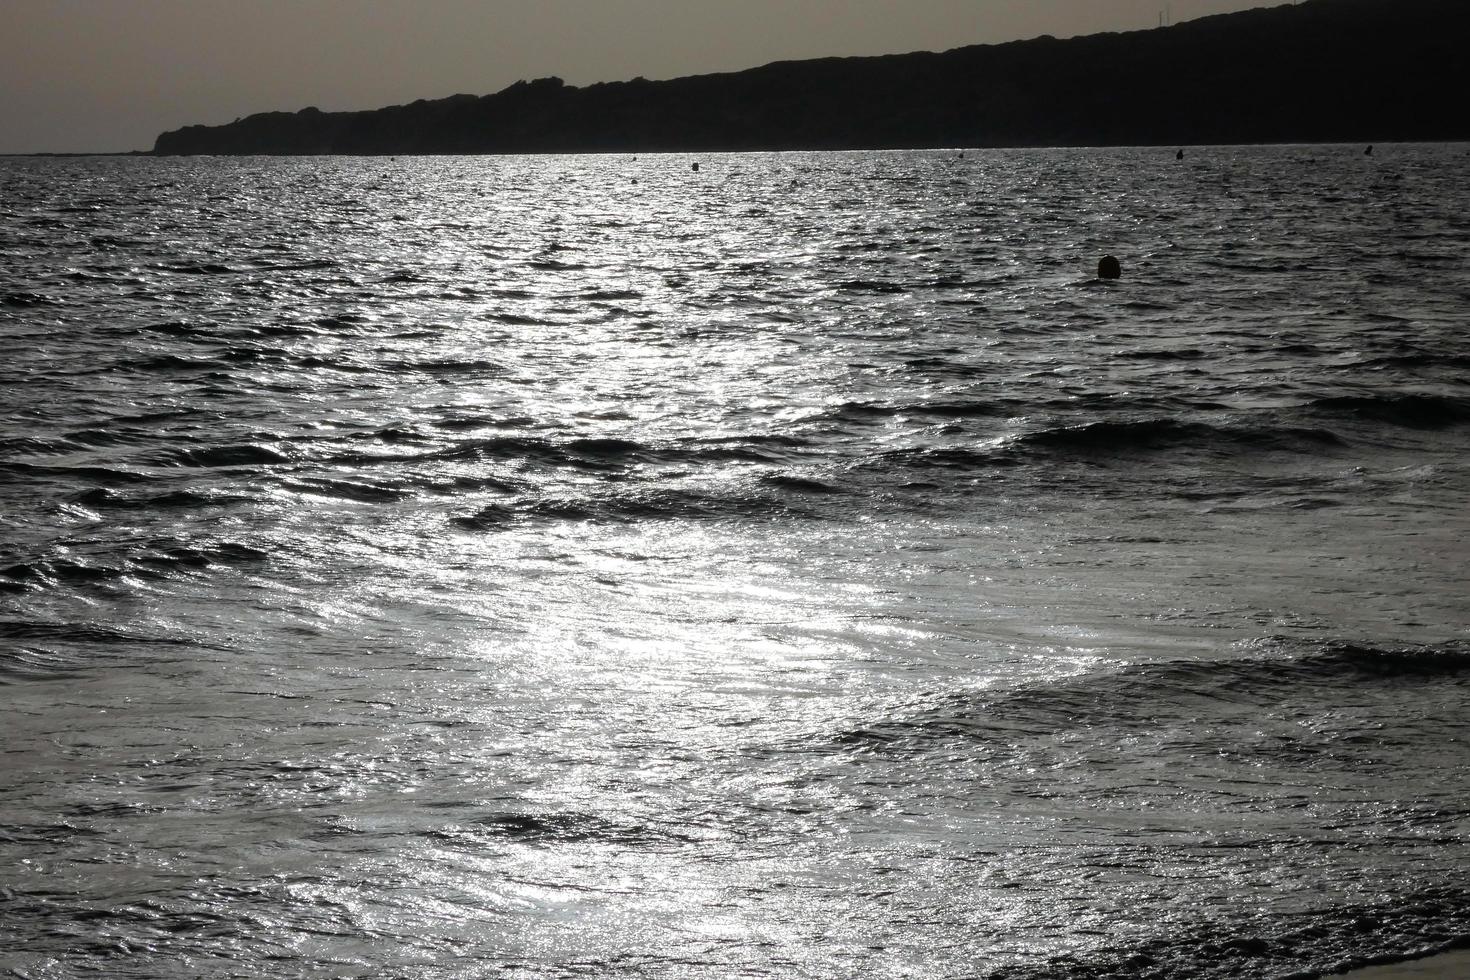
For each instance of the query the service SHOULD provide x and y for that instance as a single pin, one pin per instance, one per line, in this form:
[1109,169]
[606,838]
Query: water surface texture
[803,567]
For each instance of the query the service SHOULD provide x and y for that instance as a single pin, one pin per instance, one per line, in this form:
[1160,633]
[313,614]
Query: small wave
[1163,433]
[227,456]
[1310,943]
[28,446]
[610,294]
[373,493]
[1146,694]
[1420,359]
[861,412]
[555,265]
[1182,354]
[171,363]
[945,459]
[561,828]
[103,475]
[120,435]
[395,435]
[518,320]
[445,366]
[871,286]
[58,571]
[196,269]
[1104,440]
[39,631]
[103,498]
[799,484]
[1410,411]
[588,453]
[20,299]
[661,504]
[178,328]
[470,423]
[30,664]
[340,320]
[181,557]
[303,266]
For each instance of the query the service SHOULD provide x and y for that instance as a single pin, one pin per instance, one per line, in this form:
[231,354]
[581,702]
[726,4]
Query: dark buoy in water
[1180,154]
[1369,151]
[1109,267]
[694,167]
[962,154]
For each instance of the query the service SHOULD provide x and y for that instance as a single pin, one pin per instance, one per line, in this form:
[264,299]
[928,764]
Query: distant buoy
[1179,155]
[1109,267]
[694,167]
[1369,151]
[962,154]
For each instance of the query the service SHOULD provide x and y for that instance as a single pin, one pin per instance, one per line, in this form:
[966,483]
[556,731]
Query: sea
[801,565]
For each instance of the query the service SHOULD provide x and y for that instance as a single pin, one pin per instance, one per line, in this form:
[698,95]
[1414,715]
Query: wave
[1115,439]
[103,498]
[349,490]
[472,422]
[1145,695]
[872,286]
[1163,433]
[173,363]
[1311,943]
[430,366]
[246,454]
[1181,354]
[608,295]
[196,268]
[118,435]
[23,663]
[562,828]
[661,504]
[106,476]
[183,557]
[56,571]
[30,446]
[156,559]
[1408,410]
[23,299]
[36,630]
[178,328]
[519,320]
[1416,359]
[799,484]
[861,412]
[593,454]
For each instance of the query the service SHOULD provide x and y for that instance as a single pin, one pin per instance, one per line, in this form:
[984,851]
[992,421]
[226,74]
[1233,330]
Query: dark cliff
[1323,70]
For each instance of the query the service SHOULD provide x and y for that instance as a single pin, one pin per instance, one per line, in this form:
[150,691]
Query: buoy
[694,167]
[1369,151]
[1109,267]
[1179,155]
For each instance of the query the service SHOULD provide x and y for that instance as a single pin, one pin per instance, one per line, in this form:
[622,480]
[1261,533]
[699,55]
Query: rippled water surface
[802,567]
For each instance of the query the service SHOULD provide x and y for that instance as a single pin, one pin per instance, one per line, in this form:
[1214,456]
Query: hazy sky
[79,75]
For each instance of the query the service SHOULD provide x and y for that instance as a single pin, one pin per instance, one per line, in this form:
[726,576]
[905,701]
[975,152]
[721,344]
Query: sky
[110,75]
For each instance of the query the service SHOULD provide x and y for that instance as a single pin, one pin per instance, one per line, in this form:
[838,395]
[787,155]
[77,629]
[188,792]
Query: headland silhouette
[1321,71]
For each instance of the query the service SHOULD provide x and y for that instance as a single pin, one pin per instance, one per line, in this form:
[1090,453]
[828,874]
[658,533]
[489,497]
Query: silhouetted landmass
[1320,71]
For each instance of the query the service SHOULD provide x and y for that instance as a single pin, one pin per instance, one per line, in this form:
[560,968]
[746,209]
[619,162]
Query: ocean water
[803,567]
